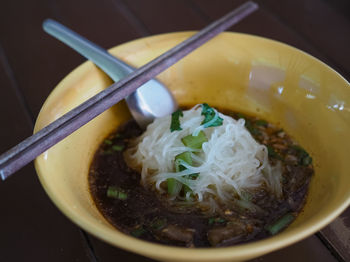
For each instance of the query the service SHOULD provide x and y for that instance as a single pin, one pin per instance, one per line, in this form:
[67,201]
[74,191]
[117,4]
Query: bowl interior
[233,71]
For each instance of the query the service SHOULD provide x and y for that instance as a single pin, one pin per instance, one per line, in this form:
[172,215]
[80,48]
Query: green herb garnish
[175,120]
[118,148]
[220,220]
[117,193]
[304,158]
[186,157]
[187,189]
[214,220]
[195,142]
[138,232]
[159,223]
[107,152]
[209,113]
[211,221]
[280,224]
[261,122]
[108,142]
[118,135]
[174,186]
[248,124]
[272,153]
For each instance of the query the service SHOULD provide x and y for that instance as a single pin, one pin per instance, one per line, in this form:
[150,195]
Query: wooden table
[32,63]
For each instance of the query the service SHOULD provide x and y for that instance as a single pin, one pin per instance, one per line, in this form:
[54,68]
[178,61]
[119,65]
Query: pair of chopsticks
[30,148]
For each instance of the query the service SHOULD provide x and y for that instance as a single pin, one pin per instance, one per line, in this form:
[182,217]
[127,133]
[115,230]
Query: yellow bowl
[234,71]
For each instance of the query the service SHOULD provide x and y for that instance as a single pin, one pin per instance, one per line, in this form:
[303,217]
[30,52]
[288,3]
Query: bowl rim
[159,251]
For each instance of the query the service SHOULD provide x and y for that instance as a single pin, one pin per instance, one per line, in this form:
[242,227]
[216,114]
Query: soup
[174,210]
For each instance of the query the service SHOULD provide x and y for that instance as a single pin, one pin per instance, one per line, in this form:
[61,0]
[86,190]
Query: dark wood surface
[32,63]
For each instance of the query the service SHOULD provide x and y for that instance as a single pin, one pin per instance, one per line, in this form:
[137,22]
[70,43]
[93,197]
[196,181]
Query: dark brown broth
[149,216]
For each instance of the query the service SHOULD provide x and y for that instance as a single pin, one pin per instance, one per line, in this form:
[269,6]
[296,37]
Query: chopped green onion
[220,220]
[174,186]
[107,152]
[138,232]
[122,196]
[108,142]
[214,220]
[209,113]
[117,135]
[273,153]
[280,224]
[186,157]
[297,148]
[261,122]
[159,223]
[114,192]
[211,221]
[118,148]
[304,158]
[175,120]
[195,142]
[254,131]
[187,189]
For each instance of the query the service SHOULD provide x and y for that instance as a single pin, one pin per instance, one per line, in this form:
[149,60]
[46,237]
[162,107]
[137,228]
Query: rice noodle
[229,163]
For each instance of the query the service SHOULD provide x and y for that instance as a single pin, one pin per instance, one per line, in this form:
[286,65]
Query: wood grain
[37,230]
[32,229]
[326,29]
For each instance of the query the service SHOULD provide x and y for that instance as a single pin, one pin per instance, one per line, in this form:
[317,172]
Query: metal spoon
[148,102]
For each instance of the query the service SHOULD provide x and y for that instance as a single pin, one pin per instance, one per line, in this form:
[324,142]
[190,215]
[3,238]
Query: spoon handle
[111,65]
[143,104]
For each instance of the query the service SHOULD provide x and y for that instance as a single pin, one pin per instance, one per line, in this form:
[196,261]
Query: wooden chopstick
[30,148]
